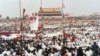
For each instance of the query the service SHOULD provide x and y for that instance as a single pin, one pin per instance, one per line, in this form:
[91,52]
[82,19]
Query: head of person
[5,54]
[94,43]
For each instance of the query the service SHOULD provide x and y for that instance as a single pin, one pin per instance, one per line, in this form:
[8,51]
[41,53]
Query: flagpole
[62,14]
[20,7]
[41,18]
[21,24]
[62,9]
[41,3]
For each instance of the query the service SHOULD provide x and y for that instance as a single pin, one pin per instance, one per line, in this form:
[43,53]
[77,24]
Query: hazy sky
[73,7]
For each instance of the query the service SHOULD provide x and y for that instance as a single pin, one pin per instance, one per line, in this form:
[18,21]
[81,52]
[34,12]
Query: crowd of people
[55,46]
[69,44]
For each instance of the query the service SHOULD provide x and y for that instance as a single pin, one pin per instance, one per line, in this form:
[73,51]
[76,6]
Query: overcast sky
[73,7]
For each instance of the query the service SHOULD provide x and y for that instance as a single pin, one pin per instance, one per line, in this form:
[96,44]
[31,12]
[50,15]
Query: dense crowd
[82,45]
[55,46]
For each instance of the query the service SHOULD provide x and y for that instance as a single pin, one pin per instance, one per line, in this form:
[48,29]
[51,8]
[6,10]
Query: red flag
[65,35]
[41,9]
[40,27]
[37,35]
[73,38]
[21,26]
[24,11]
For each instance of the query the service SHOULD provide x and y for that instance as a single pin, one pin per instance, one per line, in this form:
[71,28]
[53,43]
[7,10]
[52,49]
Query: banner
[34,22]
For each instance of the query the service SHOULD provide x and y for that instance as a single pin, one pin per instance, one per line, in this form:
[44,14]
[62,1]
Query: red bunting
[6,33]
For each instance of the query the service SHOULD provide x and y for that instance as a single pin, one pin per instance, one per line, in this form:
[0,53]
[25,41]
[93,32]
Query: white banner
[34,23]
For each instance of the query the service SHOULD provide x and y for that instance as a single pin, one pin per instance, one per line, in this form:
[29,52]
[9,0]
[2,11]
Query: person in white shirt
[40,52]
[6,52]
[88,52]
[99,43]
[69,53]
